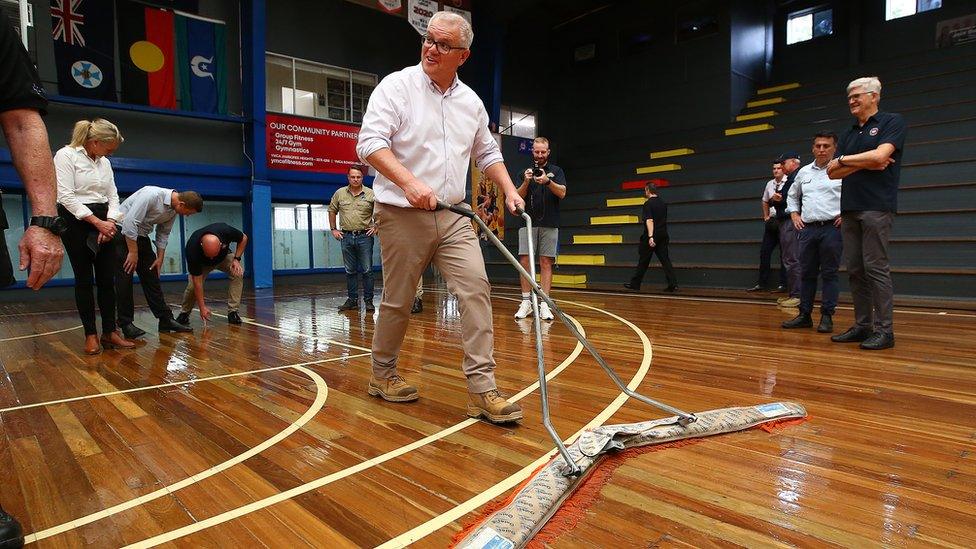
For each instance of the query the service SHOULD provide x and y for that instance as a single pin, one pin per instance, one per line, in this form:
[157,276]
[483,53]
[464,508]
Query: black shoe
[183,318]
[418,306]
[853,334]
[11,534]
[631,286]
[878,341]
[131,331]
[757,288]
[799,321]
[369,306]
[826,324]
[671,289]
[170,325]
[349,305]
[778,289]
[234,318]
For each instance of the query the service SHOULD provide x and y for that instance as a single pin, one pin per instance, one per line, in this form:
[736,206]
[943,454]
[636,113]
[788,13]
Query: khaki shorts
[545,241]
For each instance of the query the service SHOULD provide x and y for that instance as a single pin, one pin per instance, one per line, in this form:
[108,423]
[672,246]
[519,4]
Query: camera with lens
[537,171]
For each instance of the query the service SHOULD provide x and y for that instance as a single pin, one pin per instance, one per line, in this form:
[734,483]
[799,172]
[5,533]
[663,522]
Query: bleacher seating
[714,184]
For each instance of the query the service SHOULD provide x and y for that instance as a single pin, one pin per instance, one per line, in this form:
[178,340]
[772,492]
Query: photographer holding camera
[543,187]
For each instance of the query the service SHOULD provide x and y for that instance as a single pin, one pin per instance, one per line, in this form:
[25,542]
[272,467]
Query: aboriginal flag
[146,49]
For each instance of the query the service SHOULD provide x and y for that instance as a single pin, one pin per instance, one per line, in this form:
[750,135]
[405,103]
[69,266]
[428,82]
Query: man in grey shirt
[147,209]
[818,235]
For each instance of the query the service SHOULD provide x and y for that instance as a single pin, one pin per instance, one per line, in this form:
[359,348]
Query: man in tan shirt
[354,205]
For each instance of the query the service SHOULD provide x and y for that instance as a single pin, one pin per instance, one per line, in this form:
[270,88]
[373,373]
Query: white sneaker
[544,312]
[524,310]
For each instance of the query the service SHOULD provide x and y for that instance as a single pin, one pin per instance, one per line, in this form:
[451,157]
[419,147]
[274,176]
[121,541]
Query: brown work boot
[394,389]
[493,407]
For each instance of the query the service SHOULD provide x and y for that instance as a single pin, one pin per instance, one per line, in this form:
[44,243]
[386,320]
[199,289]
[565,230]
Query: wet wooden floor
[263,434]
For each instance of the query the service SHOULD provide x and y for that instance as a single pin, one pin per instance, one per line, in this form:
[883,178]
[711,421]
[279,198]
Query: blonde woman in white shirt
[89,202]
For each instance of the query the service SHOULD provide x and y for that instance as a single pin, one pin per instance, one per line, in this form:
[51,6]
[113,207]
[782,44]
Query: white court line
[321,394]
[29,336]
[293,332]
[175,383]
[514,480]
[338,475]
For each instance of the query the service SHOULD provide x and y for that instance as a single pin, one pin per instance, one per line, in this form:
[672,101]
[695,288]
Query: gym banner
[310,145]
[488,201]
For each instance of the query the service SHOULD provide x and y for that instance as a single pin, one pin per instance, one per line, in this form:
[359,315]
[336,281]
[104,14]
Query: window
[903,8]
[517,123]
[809,24]
[316,90]
[290,237]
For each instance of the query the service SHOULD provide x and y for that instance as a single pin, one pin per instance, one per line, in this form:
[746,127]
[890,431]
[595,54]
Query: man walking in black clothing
[653,240]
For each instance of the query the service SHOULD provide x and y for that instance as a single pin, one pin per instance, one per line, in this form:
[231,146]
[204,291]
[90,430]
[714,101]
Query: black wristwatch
[54,224]
[237,258]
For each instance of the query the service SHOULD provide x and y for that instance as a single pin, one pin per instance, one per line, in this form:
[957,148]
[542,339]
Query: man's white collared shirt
[820,194]
[433,134]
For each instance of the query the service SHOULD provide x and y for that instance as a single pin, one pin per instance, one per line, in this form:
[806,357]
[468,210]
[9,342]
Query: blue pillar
[253,34]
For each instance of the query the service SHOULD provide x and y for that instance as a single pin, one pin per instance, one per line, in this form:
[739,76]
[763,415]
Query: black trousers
[148,279]
[6,267]
[645,252]
[87,257]
[770,240]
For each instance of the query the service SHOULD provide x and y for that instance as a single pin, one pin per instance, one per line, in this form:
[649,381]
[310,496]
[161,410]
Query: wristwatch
[237,258]
[52,223]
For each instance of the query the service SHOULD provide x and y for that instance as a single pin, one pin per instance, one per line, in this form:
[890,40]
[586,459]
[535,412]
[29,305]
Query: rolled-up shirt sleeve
[381,119]
[130,222]
[113,196]
[793,197]
[162,233]
[64,170]
[485,150]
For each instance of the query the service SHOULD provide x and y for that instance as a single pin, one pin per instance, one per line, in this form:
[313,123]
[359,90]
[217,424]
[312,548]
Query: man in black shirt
[654,240]
[869,163]
[22,102]
[208,248]
[543,187]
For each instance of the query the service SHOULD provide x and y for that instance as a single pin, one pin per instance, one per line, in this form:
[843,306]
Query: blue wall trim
[142,108]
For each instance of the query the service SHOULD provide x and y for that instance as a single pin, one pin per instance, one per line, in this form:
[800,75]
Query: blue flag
[202,64]
[84,48]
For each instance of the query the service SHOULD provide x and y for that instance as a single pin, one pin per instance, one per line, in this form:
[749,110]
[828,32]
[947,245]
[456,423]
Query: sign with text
[310,145]
[419,14]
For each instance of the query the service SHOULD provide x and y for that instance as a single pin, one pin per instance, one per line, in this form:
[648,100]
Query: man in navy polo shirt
[870,166]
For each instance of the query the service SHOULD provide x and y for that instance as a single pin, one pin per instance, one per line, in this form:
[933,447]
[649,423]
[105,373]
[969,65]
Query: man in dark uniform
[22,102]
[654,240]
[870,166]
[208,248]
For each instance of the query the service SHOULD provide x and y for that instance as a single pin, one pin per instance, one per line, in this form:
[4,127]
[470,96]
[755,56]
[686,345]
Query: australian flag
[84,48]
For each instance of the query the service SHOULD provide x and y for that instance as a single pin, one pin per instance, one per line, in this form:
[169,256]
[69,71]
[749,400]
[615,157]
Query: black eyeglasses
[441,47]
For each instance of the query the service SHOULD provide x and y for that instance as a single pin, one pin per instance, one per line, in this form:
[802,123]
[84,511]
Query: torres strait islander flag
[146,48]
[84,48]
[201,46]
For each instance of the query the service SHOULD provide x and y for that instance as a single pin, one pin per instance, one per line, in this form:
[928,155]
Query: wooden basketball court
[263,434]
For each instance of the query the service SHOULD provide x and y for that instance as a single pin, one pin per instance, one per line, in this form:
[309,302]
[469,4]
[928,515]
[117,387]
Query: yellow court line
[29,336]
[749,302]
[321,394]
[514,480]
[339,475]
